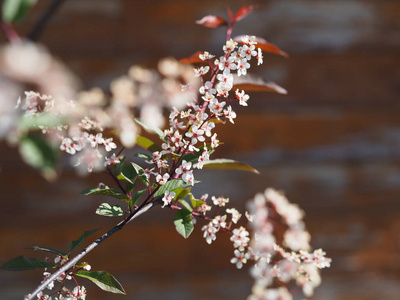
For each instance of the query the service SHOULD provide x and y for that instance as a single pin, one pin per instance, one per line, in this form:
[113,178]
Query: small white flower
[259,57]
[109,144]
[240,238]
[202,159]
[219,221]
[226,77]
[196,135]
[216,107]
[204,208]
[249,51]
[95,139]
[227,64]
[201,71]
[242,97]
[229,46]
[208,97]
[112,160]
[161,180]
[209,232]
[230,114]
[70,146]
[240,258]
[205,56]
[214,141]
[185,170]
[207,88]
[242,67]
[249,217]
[168,197]
[249,40]
[235,214]
[220,201]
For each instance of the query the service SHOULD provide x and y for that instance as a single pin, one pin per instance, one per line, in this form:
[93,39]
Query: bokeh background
[332,144]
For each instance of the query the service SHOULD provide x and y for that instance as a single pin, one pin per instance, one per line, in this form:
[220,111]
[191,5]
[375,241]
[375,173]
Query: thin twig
[71,263]
[44,19]
[117,181]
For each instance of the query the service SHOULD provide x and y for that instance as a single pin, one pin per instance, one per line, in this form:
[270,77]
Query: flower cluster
[274,264]
[141,92]
[85,139]
[187,145]
[191,131]
[273,218]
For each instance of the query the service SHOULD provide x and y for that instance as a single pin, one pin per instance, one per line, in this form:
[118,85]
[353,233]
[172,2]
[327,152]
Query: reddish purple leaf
[243,12]
[212,21]
[264,45]
[231,17]
[255,83]
[271,48]
[193,59]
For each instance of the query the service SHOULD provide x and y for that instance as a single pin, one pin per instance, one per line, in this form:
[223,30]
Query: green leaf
[80,240]
[105,191]
[108,210]
[147,144]
[136,197]
[129,174]
[183,222]
[118,168]
[38,153]
[186,205]
[103,280]
[170,186]
[228,164]
[181,193]
[48,250]
[191,157]
[195,202]
[140,173]
[143,155]
[158,131]
[122,176]
[44,119]
[16,10]
[22,263]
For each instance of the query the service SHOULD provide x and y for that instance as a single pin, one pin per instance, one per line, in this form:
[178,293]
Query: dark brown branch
[44,19]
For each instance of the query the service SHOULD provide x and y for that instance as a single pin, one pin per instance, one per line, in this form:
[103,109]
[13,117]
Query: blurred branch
[9,32]
[44,19]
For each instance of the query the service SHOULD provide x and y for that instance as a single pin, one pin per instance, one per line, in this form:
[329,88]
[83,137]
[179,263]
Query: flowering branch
[186,146]
[71,263]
